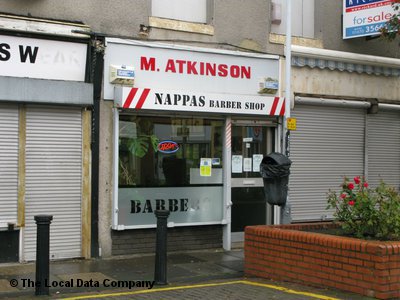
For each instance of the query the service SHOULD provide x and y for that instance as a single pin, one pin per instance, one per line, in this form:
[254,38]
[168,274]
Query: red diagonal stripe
[274,105]
[282,112]
[142,98]
[130,97]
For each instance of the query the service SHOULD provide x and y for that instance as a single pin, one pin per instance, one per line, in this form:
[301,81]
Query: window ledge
[181,26]
[43,26]
[300,41]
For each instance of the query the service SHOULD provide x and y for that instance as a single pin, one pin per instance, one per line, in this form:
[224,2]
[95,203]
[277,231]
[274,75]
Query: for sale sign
[365,17]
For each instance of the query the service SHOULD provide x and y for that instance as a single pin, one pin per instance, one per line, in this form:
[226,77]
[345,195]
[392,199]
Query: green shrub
[367,213]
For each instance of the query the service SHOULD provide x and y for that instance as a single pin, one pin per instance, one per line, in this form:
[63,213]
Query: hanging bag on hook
[275,170]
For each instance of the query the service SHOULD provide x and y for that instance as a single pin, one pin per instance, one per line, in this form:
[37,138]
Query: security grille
[383,148]
[53,178]
[327,145]
[8,164]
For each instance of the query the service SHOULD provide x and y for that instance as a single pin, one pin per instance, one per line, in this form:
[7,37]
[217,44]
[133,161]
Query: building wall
[241,23]
[123,18]
[328,33]
[120,17]
[341,84]
[179,239]
[245,24]
[328,28]
[105,177]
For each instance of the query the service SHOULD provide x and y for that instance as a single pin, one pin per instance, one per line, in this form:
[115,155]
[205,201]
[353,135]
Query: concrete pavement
[211,274]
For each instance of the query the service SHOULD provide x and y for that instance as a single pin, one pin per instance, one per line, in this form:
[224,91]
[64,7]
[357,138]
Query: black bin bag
[275,170]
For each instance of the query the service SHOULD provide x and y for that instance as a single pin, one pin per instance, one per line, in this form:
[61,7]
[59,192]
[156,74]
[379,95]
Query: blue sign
[126,73]
[351,3]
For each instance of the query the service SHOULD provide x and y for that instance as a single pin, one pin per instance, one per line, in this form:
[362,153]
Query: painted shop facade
[189,135]
[348,124]
[44,139]
[100,131]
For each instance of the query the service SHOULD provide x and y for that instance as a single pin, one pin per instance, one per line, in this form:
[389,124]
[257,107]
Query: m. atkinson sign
[185,68]
[195,68]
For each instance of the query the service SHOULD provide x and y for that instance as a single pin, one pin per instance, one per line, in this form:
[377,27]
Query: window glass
[188,10]
[250,143]
[302,17]
[165,151]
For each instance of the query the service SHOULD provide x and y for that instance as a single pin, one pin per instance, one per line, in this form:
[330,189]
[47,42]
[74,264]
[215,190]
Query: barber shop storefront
[191,126]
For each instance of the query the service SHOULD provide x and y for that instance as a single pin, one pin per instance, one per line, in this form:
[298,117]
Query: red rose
[343,196]
[366,184]
[351,202]
[350,186]
[357,179]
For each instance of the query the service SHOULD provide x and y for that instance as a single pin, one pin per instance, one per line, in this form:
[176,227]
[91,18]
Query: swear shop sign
[157,99]
[42,59]
[188,205]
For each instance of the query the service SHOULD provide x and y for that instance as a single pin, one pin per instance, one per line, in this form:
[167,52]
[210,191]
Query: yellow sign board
[291,123]
[205,167]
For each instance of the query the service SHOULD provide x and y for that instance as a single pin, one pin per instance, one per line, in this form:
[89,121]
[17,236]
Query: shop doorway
[250,142]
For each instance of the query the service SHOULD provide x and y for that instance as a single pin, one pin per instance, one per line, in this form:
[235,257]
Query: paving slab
[207,274]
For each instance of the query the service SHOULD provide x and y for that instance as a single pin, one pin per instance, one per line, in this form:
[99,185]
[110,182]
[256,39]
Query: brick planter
[290,253]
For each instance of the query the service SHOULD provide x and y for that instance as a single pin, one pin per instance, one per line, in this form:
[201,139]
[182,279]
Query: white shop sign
[191,68]
[167,100]
[42,59]
[187,206]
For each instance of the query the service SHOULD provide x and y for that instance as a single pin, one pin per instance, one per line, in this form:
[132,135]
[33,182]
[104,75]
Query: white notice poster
[257,158]
[247,164]
[237,163]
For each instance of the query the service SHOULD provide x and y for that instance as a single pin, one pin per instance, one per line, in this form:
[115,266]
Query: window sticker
[257,158]
[205,167]
[216,161]
[247,164]
[237,163]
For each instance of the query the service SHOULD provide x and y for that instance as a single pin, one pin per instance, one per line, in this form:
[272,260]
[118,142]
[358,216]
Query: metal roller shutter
[328,144]
[53,178]
[383,144]
[8,164]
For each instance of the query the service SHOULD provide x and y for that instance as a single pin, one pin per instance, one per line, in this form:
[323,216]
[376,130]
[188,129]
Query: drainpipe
[97,69]
[288,55]
[286,217]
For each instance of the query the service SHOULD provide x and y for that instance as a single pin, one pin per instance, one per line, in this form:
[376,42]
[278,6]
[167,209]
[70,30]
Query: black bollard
[160,274]
[42,254]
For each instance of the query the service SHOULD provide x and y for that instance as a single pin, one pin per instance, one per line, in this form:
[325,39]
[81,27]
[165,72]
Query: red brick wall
[289,252]
[138,241]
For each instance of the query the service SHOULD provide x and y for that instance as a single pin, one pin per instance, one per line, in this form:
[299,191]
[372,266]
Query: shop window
[189,10]
[169,152]
[302,17]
